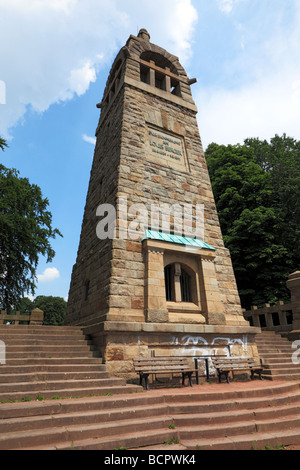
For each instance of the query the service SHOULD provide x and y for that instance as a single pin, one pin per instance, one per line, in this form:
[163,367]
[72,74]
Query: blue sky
[55,57]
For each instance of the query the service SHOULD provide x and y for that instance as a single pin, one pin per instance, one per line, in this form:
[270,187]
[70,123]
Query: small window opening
[169,281]
[175,273]
[175,88]
[145,74]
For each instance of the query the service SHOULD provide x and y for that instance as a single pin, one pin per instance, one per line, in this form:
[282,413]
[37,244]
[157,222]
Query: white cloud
[88,139]
[55,48]
[2,92]
[266,108]
[266,104]
[81,78]
[30,297]
[50,274]
[226,6]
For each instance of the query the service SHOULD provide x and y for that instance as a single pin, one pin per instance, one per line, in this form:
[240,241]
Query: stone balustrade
[36,317]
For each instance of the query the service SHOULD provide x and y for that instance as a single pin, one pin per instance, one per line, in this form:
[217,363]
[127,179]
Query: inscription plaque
[166,149]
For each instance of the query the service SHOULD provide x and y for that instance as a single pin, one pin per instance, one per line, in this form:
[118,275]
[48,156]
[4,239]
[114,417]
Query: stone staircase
[48,361]
[209,417]
[50,364]
[276,355]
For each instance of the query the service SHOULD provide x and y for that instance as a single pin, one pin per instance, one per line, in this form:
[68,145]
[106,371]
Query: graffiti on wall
[196,346]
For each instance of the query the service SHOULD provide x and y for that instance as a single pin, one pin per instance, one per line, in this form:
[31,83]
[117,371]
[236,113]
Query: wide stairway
[66,400]
[208,417]
[51,362]
[276,353]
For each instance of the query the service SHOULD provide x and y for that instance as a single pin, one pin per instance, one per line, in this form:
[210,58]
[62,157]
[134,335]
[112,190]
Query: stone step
[45,368]
[281,375]
[29,342]
[79,405]
[81,418]
[275,360]
[39,331]
[271,342]
[235,416]
[138,440]
[47,348]
[283,403]
[274,350]
[46,385]
[46,376]
[274,356]
[46,361]
[281,364]
[257,441]
[67,436]
[49,354]
[80,389]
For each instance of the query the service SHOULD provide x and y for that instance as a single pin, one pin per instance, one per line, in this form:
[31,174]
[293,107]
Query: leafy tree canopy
[25,231]
[257,190]
[54,308]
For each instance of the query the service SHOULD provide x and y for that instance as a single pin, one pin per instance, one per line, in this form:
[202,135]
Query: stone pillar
[155,294]
[214,306]
[293,285]
[36,317]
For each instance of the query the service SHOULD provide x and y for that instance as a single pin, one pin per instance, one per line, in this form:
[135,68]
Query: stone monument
[152,276]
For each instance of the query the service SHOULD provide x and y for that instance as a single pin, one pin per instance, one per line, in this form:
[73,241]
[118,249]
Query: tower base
[120,342]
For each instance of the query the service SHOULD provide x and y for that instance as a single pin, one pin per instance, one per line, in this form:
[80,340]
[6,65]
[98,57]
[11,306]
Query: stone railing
[280,317]
[277,317]
[36,317]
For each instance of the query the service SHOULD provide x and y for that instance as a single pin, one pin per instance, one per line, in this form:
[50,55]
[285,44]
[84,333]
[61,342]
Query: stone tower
[152,275]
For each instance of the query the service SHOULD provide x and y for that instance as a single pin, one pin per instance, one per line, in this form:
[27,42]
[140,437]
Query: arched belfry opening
[142,284]
[156,70]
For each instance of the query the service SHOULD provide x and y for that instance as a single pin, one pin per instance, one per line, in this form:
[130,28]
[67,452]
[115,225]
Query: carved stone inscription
[166,149]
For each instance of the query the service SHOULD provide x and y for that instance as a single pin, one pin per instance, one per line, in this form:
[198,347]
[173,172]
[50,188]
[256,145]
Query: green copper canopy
[171,238]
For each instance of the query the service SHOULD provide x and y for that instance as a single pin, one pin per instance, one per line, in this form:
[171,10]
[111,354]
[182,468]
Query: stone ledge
[114,326]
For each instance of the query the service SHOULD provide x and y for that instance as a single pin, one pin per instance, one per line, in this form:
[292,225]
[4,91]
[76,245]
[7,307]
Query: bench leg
[225,373]
[256,371]
[189,374]
[146,378]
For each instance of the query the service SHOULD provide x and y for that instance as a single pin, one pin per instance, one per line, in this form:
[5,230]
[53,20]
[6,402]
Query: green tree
[3,144]
[25,231]
[54,309]
[24,306]
[256,187]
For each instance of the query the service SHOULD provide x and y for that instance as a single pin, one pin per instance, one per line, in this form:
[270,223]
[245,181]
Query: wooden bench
[164,366]
[224,365]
